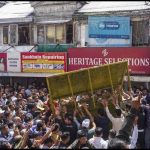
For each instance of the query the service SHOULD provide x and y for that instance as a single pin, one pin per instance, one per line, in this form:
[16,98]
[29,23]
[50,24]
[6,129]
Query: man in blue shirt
[5,136]
[101,120]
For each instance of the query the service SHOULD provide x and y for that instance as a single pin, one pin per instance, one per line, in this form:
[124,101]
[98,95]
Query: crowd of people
[28,122]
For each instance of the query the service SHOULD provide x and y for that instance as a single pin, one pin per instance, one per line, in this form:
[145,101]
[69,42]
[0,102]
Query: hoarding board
[138,58]
[109,27]
[13,62]
[44,62]
[3,62]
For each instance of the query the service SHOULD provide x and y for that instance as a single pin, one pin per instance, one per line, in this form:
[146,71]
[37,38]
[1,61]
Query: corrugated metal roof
[16,10]
[114,6]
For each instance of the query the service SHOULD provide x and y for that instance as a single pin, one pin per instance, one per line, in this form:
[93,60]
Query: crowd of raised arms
[28,122]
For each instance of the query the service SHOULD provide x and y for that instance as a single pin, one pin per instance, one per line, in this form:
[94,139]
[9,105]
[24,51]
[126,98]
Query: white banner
[13,62]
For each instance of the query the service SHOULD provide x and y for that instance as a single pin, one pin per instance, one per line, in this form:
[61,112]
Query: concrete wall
[46,10]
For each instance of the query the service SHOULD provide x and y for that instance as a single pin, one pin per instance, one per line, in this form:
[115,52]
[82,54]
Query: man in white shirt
[116,122]
[97,141]
[134,138]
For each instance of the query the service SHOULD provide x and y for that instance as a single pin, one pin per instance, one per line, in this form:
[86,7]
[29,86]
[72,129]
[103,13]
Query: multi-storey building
[28,26]
[37,25]
[138,14]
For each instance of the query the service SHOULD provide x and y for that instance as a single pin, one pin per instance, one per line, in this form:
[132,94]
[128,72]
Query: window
[23,32]
[5,35]
[60,33]
[31,33]
[1,33]
[50,34]
[69,36]
[40,34]
[140,34]
[13,34]
[55,33]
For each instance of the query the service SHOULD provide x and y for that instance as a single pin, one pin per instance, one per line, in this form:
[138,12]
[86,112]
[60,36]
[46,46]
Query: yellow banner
[85,80]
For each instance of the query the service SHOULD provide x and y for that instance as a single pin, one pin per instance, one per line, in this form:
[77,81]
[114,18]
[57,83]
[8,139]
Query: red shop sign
[138,58]
[3,62]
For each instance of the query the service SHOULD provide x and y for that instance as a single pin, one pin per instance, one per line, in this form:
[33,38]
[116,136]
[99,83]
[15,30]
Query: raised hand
[75,112]
[115,98]
[104,103]
[85,106]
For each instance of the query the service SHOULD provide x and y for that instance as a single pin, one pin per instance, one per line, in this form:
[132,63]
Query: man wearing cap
[86,127]
[86,123]
[81,142]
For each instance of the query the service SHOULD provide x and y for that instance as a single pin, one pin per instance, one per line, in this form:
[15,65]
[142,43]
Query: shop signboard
[109,27]
[40,62]
[138,58]
[3,62]
[13,62]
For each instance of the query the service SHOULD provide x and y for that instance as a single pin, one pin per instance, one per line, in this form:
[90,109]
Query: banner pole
[51,101]
[91,87]
[72,91]
[128,75]
[110,79]
[123,78]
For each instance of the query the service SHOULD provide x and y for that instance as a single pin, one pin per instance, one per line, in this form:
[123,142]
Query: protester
[116,121]
[97,141]
[27,121]
[147,129]
[112,135]
[117,144]
[134,136]
[70,126]
[86,123]
[141,128]
[101,120]
[81,142]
